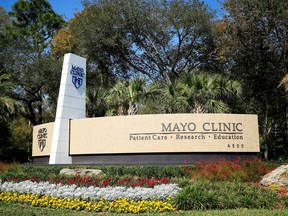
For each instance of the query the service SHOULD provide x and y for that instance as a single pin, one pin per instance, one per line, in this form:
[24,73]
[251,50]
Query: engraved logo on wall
[77,76]
[42,136]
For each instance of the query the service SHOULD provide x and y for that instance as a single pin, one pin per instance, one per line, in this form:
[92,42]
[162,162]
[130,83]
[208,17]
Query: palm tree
[7,104]
[210,93]
[96,102]
[171,96]
[131,94]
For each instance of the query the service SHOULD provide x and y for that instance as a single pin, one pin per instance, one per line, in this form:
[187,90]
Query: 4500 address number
[235,145]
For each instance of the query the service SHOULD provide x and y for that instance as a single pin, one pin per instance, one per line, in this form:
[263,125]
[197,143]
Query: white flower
[109,193]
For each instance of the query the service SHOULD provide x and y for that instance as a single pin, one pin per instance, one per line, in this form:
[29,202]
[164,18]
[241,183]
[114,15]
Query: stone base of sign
[40,160]
[149,159]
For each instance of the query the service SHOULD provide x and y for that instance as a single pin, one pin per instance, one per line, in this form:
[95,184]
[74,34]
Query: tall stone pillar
[71,105]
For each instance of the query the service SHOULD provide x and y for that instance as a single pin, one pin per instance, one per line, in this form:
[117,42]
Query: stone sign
[165,133]
[71,105]
[42,139]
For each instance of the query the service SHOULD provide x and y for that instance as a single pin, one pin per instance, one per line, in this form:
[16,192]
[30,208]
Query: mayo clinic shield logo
[77,76]
[42,136]
[77,81]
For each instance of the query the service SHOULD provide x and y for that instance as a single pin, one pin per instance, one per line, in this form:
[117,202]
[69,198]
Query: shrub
[5,166]
[286,201]
[195,197]
[224,195]
[167,171]
[224,170]
[18,172]
[43,172]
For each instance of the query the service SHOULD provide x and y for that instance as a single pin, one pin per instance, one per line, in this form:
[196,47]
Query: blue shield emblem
[77,81]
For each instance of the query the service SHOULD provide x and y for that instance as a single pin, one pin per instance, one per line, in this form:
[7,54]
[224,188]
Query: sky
[67,8]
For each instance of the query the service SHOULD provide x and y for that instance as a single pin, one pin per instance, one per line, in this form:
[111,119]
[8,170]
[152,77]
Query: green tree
[25,56]
[4,19]
[171,98]
[35,21]
[97,102]
[7,111]
[63,42]
[199,93]
[210,93]
[254,46]
[157,39]
[130,95]
[20,148]
[7,104]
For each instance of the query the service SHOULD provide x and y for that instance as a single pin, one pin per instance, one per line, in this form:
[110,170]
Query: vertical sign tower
[71,105]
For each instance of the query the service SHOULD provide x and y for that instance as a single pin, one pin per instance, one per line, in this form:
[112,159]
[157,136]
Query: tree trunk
[266,131]
[132,108]
[287,116]
[121,110]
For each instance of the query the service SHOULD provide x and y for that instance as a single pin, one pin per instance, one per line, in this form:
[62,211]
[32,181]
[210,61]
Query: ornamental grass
[233,171]
[207,195]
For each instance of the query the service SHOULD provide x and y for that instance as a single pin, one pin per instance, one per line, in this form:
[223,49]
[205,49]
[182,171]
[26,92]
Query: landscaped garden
[217,188]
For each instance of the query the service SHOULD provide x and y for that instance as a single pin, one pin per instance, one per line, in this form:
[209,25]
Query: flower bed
[88,181]
[159,192]
[112,199]
[146,195]
[120,205]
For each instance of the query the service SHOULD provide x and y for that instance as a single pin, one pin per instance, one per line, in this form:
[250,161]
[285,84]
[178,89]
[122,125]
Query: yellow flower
[274,187]
[120,205]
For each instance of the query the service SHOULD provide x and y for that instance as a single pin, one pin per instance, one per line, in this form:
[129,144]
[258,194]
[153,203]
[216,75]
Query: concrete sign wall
[71,105]
[153,139]
[165,133]
[42,139]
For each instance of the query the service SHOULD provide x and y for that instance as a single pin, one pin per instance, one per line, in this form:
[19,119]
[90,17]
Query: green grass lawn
[11,209]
